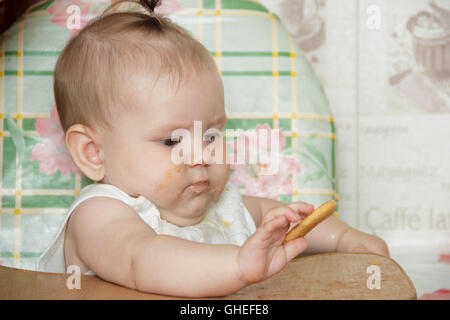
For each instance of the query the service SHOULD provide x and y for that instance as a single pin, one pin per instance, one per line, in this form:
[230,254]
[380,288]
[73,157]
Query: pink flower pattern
[51,152]
[441,294]
[251,175]
[168,7]
[444,258]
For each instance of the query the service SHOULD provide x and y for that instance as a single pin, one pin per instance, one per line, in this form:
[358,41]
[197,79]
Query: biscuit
[312,220]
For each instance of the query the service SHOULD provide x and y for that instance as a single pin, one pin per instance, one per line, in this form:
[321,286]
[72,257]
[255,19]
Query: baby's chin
[189,206]
[187,215]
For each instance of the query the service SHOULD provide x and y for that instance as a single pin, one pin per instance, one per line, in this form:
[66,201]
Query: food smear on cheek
[178,168]
[163,186]
[168,174]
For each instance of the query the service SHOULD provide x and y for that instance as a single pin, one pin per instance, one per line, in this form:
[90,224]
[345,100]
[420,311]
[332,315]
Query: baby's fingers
[273,229]
[302,208]
[295,247]
[284,211]
[292,211]
[279,222]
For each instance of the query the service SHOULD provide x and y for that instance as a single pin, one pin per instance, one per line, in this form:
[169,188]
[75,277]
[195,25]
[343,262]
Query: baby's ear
[83,145]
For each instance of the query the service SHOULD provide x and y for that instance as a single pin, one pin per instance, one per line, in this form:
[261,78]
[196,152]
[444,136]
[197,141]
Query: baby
[122,86]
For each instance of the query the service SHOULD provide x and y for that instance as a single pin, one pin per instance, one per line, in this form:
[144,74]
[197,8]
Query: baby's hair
[95,64]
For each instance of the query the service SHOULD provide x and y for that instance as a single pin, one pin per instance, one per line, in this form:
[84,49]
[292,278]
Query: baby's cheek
[220,177]
[216,191]
[169,179]
[178,169]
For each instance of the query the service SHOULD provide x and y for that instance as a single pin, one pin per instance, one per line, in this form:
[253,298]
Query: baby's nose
[197,158]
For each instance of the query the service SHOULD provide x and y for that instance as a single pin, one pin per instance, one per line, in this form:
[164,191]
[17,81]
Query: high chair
[267,80]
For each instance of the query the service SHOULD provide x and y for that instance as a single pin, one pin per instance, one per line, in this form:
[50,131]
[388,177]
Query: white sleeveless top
[227,221]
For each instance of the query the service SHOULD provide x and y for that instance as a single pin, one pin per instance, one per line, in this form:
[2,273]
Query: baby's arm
[114,242]
[331,235]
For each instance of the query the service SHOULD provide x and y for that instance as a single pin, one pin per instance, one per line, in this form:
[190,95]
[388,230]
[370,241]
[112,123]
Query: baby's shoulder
[98,209]
[98,201]
[100,226]
[86,222]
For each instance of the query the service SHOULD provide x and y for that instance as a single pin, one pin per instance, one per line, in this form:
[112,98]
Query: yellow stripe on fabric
[274,39]
[29,115]
[26,211]
[229,12]
[184,12]
[39,192]
[313,116]
[294,128]
[200,20]
[77,184]
[19,84]
[218,49]
[17,241]
[31,133]
[304,116]
[321,192]
[2,97]
[324,135]
[19,111]
[293,84]
[36,13]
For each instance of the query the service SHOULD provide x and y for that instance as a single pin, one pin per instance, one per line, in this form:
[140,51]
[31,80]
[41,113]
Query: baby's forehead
[190,80]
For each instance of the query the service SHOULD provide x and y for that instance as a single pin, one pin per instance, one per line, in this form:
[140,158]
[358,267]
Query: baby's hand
[264,254]
[357,241]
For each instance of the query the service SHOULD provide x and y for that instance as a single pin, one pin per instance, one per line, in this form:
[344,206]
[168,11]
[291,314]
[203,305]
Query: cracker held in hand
[312,220]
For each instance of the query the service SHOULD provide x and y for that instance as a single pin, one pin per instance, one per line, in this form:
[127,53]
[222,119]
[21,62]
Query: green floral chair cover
[268,82]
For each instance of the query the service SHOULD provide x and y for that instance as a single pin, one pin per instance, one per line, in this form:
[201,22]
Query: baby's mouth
[199,186]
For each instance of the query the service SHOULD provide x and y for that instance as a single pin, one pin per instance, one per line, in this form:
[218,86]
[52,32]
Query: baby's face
[137,155]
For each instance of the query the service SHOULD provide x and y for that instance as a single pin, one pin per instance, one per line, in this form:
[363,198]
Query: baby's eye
[211,137]
[169,142]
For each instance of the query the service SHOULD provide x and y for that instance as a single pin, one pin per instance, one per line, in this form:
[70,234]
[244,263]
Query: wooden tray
[321,276]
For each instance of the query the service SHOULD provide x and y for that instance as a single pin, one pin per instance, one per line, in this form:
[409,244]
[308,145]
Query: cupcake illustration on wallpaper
[421,58]
[303,21]
[431,39]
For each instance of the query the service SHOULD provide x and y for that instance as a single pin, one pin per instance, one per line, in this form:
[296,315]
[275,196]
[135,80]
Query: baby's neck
[178,221]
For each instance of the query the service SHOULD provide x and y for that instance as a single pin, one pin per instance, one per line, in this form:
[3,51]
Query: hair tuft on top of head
[150,5]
